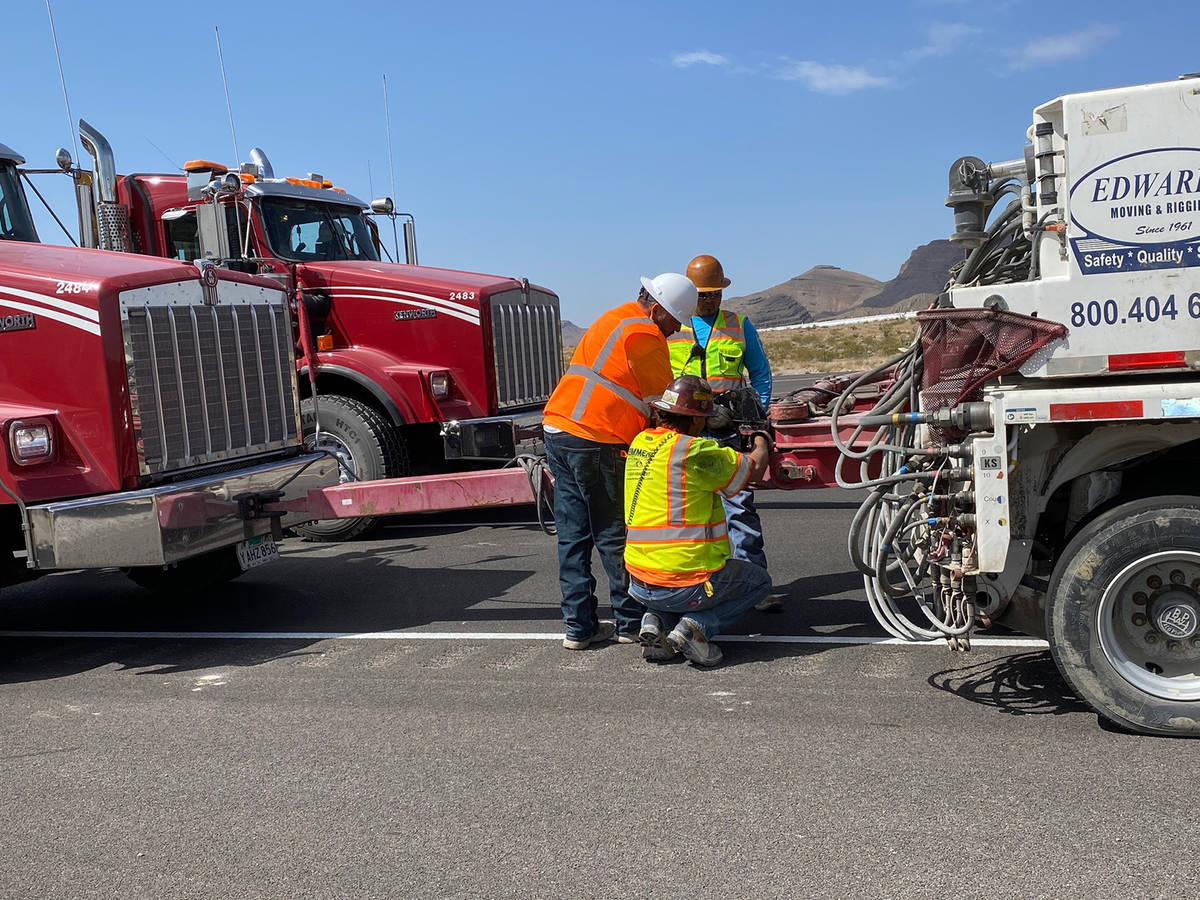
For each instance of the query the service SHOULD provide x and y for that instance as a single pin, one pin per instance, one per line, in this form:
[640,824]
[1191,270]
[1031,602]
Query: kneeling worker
[677,543]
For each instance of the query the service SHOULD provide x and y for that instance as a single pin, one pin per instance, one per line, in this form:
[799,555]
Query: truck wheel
[189,576]
[1123,615]
[367,447]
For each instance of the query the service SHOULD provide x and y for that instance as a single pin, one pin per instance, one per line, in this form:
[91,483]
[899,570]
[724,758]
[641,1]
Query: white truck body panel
[1125,276]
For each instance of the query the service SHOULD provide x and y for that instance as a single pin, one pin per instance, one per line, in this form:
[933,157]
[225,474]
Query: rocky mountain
[820,293]
[571,333]
[827,292]
[923,274]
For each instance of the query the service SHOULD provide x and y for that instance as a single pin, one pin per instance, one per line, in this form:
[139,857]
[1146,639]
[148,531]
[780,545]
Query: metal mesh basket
[963,349]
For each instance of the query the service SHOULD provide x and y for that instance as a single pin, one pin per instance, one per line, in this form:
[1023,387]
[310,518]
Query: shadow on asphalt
[42,659]
[371,589]
[1028,684]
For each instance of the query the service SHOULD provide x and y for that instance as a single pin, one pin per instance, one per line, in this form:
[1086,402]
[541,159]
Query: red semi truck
[419,369]
[150,414]
[130,389]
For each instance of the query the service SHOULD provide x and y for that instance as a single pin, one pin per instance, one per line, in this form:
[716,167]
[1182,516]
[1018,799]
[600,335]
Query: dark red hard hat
[687,395]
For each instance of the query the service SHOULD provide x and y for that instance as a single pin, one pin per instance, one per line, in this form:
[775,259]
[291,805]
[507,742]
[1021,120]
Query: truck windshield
[306,231]
[16,224]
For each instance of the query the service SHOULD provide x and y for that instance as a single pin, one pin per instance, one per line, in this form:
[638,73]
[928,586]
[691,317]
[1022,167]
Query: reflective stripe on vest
[677,533]
[723,357]
[600,390]
[670,529]
[594,378]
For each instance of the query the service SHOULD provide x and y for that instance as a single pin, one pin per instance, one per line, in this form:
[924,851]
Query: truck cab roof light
[204,165]
[325,182]
[247,178]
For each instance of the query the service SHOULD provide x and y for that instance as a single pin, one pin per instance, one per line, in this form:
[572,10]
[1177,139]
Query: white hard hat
[673,292]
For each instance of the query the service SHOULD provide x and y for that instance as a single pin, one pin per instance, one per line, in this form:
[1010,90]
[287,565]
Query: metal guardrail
[829,323]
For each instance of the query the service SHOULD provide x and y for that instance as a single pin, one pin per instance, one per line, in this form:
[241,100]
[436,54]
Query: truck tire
[365,443]
[1123,615]
[191,576]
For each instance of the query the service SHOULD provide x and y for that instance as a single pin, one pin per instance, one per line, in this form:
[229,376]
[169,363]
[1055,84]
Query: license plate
[257,551]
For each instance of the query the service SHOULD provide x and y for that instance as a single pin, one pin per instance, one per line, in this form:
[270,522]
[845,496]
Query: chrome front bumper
[494,438]
[162,525]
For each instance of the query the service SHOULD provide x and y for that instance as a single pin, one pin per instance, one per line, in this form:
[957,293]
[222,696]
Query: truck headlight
[31,441]
[439,383]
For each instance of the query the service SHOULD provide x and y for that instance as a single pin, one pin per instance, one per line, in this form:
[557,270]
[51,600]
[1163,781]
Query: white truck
[1038,463]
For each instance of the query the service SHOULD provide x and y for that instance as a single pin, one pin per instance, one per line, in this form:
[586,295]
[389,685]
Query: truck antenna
[63,79]
[370,181]
[174,164]
[228,106]
[387,118]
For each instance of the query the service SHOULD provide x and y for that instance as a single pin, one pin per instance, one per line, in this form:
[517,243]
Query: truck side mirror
[383,206]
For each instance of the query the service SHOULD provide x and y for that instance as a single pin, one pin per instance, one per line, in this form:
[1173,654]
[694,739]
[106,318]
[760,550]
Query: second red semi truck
[419,369]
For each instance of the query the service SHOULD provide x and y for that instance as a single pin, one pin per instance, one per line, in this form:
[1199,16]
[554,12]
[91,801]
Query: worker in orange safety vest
[677,541]
[620,364]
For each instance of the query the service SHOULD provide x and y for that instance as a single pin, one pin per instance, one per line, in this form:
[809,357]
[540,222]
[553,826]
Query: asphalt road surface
[396,718]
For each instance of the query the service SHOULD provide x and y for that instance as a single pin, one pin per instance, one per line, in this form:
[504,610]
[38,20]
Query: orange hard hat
[706,273]
[687,395]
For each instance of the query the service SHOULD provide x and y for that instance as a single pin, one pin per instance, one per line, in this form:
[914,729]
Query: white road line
[488,636]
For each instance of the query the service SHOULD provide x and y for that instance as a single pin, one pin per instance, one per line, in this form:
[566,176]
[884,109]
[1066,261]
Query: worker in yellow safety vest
[723,348]
[601,403]
[677,545]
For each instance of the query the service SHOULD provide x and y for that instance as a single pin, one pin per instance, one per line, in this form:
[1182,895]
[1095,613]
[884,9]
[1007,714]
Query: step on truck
[1035,461]
[417,369]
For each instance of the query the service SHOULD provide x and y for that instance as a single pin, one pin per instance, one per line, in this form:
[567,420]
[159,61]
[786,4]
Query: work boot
[770,604]
[686,638]
[654,646]
[604,632]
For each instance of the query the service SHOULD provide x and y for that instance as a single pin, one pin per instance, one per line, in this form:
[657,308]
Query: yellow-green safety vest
[676,533]
[722,359]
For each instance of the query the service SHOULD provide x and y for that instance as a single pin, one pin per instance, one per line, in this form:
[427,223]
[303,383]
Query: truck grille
[527,340]
[209,383]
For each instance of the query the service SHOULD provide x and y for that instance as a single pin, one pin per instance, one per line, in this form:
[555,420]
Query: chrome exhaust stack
[112,217]
[260,160]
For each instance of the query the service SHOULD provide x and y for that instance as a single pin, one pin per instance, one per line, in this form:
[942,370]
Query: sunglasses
[708,295]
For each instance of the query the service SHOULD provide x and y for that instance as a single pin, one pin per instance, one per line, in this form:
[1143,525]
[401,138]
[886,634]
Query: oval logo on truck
[1140,211]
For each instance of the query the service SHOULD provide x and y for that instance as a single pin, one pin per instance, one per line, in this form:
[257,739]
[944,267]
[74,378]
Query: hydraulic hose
[538,472]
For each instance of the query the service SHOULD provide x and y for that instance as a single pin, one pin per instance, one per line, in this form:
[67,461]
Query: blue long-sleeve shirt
[754,358]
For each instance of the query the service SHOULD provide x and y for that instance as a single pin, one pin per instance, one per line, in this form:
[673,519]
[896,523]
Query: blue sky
[584,145]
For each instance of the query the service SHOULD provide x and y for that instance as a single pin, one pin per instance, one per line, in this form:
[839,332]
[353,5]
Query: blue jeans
[745,526]
[734,589]
[589,511]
